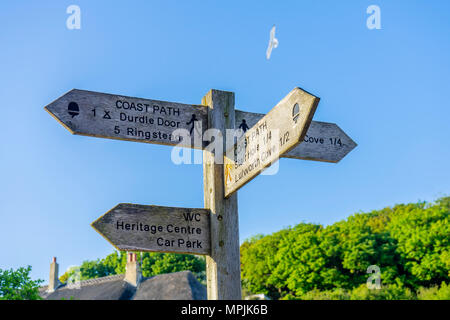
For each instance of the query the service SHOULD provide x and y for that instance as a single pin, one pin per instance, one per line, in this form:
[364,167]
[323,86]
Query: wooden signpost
[111,116]
[120,117]
[286,131]
[133,227]
[323,141]
[277,132]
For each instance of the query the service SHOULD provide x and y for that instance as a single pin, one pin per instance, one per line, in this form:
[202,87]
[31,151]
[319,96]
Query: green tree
[154,263]
[17,285]
[409,243]
[422,234]
[435,292]
[258,261]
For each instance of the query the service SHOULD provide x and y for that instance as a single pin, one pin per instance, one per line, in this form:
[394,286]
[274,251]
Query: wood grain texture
[127,118]
[334,146]
[323,141]
[133,227]
[280,130]
[223,265]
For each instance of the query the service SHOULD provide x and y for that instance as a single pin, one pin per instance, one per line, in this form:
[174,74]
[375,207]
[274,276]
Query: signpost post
[223,268]
[286,131]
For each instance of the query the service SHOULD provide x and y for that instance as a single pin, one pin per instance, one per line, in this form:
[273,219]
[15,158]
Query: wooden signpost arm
[223,265]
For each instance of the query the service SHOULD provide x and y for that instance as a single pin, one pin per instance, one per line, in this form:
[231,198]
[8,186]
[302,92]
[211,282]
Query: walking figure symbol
[243,125]
[228,173]
[193,119]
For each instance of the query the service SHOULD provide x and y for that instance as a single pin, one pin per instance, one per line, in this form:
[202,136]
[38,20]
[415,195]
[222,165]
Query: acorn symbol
[295,112]
[73,109]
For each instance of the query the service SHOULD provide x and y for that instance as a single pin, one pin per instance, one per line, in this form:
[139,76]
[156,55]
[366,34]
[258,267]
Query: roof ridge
[88,282]
[112,277]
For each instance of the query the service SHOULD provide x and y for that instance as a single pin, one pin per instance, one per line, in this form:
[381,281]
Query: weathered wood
[276,133]
[323,141]
[126,118]
[223,265]
[133,227]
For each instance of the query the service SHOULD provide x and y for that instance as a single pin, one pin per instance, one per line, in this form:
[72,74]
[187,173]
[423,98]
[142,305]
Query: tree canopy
[409,243]
[17,285]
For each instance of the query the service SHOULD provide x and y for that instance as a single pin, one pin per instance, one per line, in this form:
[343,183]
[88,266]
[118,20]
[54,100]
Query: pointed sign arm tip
[296,89]
[101,233]
[59,121]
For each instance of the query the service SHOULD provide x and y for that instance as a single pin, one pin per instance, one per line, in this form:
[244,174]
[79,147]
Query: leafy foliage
[17,285]
[409,243]
[435,293]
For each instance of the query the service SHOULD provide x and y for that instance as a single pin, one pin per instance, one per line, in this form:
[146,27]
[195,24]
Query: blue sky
[388,89]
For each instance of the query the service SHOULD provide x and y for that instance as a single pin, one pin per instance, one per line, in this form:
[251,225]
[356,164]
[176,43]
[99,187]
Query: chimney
[133,271]
[53,282]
